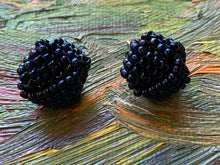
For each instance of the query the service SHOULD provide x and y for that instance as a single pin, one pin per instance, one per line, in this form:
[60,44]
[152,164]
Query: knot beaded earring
[155,66]
[53,74]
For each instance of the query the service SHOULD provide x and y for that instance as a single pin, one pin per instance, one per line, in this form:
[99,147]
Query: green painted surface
[110,125]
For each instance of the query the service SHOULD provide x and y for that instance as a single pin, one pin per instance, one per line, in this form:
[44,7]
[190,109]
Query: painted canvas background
[110,125]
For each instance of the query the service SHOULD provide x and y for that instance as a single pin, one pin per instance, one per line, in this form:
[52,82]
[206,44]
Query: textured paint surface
[110,125]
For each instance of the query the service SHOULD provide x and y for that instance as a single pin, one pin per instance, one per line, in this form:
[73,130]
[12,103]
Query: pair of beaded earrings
[54,72]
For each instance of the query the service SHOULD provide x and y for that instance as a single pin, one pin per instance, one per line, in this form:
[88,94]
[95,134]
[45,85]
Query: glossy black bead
[130,79]
[58,52]
[142,42]
[173,45]
[52,45]
[128,65]
[27,65]
[65,47]
[20,69]
[47,58]
[23,94]
[20,86]
[159,36]
[178,61]
[70,54]
[125,61]
[59,41]
[161,47]
[133,45]
[69,79]
[131,86]
[134,57]
[149,56]
[137,92]
[39,42]
[64,60]
[188,80]
[144,36]
[154,41]
[168,53]
[42,49]
[156,61]
[141,50]
[123,72]
[26,58]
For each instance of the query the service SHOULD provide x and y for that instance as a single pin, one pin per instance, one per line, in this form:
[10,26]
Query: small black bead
[131,86]
[47,58]
[38,42]
[154,41]
[134,57]
[142,42]
[188,80]
[149,56]
[65,47]
[124,73]
[70,54]
[161,47]
[141,50]
[64,60]
[23,94]
[42,49]
[144,36]
[130,79]
[128,65]
[168,53]
[20,86]
[137,92]
[26,58]
[28,65]
[156,61]
[159,36]
[173,45]
[58,52]
[59,41]
[20,69]
[125,61]
[69,79]
[178,61]
[52,45]
[175,69]
[133,45]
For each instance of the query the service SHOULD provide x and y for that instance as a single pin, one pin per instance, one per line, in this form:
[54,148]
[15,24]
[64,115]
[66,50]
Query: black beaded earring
[155,66]
[53,73]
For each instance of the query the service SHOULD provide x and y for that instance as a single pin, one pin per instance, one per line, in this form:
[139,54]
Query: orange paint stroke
[158,129]
[203,63]
[209,68]
[165,136]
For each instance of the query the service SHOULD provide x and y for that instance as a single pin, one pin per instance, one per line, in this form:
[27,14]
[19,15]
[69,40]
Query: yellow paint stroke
[28,154]
[43,154]
[110,128]
[203,46]
[142,155]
